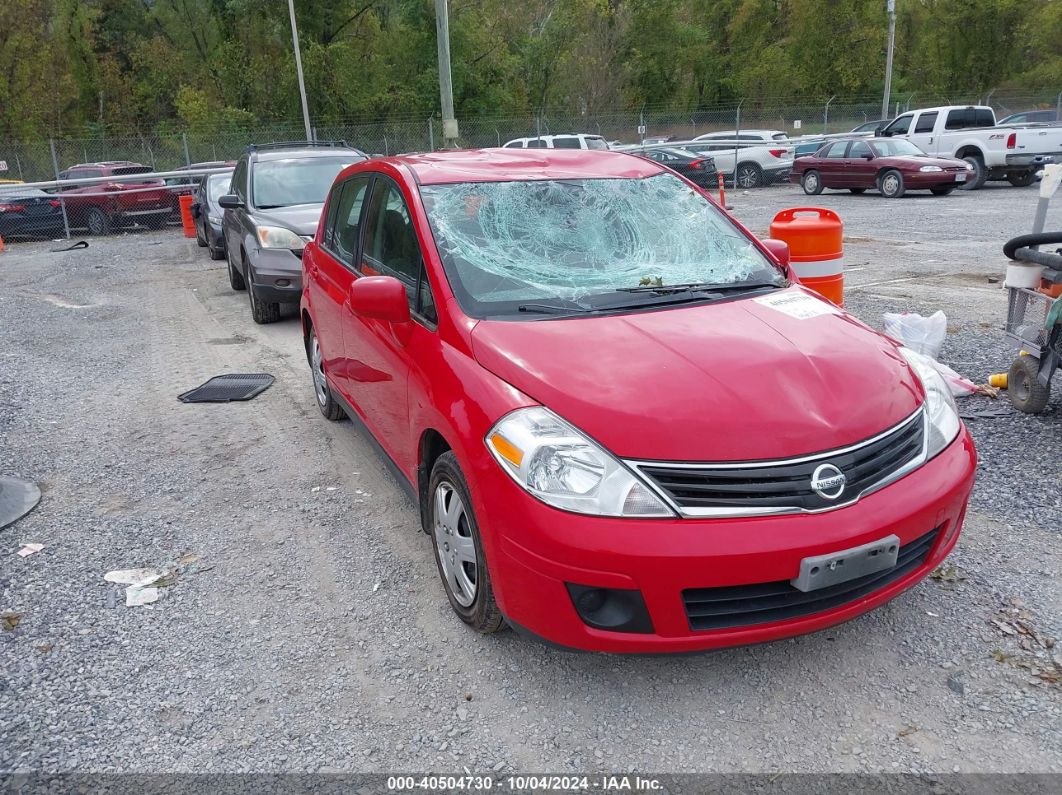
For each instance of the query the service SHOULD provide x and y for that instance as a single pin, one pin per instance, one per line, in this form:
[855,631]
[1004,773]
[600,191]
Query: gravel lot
[312,634]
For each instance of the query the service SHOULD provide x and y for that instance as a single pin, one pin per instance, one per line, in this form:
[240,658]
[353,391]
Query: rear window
[596,143]
[780,137]
[118,172]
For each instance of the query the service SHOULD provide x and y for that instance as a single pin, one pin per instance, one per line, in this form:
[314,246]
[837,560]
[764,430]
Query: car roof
[295,153]
[106,164]
[747,132]
[510,165]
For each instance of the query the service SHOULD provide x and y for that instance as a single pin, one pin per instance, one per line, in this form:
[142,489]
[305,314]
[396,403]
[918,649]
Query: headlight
[279,237]
[557,464]
[214,219]
[940,405]
[930,168]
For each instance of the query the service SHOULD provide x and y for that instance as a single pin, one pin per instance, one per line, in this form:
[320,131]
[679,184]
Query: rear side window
[982,117]
[926,122]
[566,143]
[959,119]
[859,149]
[85,173]
[514,145]
[836,151]
[536,143]
[347,224]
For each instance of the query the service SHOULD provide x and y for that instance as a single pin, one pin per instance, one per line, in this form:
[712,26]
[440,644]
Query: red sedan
[890,165]
[624,426]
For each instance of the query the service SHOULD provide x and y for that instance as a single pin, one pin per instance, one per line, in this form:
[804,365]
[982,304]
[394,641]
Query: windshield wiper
[550,309]
[269,206]
[664,289]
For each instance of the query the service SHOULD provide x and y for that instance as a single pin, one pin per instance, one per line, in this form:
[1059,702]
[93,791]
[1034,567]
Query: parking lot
[312,633]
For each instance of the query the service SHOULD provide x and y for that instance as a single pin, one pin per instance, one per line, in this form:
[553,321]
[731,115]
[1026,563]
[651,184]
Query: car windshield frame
[536,248]
[277,199]
[882,144]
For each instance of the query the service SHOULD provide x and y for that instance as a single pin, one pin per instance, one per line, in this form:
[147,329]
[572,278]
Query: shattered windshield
[584,240]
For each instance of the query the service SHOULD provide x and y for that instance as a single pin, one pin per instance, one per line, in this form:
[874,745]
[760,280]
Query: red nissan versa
[626,427]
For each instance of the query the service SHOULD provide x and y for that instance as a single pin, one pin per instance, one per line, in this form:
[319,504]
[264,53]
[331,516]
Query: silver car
[271,210]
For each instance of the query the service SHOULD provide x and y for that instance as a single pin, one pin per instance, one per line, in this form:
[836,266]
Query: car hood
[916,161]
[731,381]
[300,218]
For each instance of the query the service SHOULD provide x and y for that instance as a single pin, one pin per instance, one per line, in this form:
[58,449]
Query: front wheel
[235,277]
[811,183]
[98,222]
[325,402]
[976,174]
[262,312]
[1024,388]
[201,238]
[749,175]
[1021,179]
[891,184]
[458,549]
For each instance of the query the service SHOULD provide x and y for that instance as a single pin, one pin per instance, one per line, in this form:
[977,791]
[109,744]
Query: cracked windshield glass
[581,243]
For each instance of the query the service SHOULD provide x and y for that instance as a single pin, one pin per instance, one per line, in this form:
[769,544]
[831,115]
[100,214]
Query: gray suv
[271,210]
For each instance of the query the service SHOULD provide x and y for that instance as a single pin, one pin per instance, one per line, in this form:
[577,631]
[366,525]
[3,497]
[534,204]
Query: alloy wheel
[320,385]
[455,545]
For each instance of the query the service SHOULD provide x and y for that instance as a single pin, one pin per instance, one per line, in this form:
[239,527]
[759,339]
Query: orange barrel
[815,249]
[187,222]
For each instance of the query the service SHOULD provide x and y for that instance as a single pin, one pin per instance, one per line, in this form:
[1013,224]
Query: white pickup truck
[969,132]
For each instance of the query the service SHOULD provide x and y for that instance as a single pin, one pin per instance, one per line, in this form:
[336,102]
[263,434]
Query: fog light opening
[614,609]
[283,282]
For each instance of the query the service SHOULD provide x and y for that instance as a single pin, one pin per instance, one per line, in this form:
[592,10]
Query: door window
[901,126]
[391,247]
[837,150]
[926,122]
[347,221]
[959,119]
[566,143]
[860,149]
[536,143]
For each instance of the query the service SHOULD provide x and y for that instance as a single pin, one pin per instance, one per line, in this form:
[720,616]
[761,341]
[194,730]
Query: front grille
[785,487]
[762,603]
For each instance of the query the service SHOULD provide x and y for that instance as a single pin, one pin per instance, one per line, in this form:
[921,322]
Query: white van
[574,141]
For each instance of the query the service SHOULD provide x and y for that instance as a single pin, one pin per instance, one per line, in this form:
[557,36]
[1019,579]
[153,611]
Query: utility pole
[891,8]
[298,68]
[446,89]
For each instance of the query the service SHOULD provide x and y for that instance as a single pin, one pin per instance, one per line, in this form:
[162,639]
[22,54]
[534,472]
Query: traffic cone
[1,242]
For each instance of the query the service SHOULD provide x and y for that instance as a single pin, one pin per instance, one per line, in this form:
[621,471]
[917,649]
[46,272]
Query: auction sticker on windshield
[799,305]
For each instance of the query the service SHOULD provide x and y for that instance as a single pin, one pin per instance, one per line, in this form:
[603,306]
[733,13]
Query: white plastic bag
[923,335]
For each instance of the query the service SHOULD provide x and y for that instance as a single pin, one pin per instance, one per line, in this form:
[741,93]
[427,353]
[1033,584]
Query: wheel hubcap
[890,184]
[811,181]
[455,546]
[320,385]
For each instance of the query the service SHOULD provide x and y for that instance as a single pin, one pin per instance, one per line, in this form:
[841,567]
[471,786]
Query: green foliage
[205,65]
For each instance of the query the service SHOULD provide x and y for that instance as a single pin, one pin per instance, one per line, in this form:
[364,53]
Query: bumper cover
[533,550]
[271,267]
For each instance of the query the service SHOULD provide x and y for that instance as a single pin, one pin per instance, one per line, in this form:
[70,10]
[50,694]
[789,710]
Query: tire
[1026,393]
[976,178]
[321,391]
[811,182]
[890,184]
[201,236]
[942,190]
[458,548]
[97,221]
[262,312]
[236,281]
[749,175]
[216,253]
[858,191]
[1021,179]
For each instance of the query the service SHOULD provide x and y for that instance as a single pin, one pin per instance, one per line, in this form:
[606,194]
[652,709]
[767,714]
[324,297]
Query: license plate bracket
[822,571]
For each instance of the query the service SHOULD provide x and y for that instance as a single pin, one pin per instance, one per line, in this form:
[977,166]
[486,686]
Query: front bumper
[277,275]
[534,550]
[778,173]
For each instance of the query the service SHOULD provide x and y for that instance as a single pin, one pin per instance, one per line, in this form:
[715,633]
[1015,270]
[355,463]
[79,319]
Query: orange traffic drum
[814,235]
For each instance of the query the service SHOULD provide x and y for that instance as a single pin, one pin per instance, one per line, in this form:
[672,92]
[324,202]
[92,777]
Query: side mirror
[868,156]
[230,201]
[779,249]
[380,297]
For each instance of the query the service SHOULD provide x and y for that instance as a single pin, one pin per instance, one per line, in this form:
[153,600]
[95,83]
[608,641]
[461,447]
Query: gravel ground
[312,634]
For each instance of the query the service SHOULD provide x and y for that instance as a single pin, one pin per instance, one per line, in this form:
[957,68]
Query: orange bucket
[816,253]
[187,222]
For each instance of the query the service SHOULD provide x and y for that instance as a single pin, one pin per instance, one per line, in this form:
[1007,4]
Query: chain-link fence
[40,160]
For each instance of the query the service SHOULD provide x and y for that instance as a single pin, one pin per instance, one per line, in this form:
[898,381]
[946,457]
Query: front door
[861,169]
[376,351]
